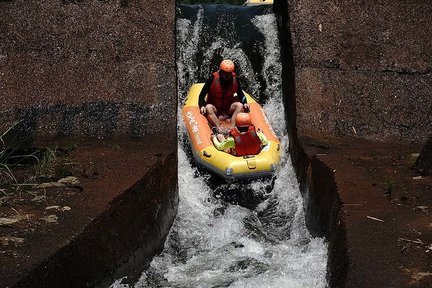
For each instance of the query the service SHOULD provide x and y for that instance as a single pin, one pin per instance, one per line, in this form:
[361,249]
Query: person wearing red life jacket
[225,98]
[244,139]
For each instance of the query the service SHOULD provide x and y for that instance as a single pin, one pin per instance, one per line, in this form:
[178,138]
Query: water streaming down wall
[215,243]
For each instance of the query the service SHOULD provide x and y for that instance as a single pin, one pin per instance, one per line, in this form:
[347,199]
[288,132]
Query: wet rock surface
[109,226]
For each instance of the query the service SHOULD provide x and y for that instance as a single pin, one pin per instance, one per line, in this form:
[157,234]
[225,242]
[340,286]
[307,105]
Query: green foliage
[11,156]
[51,165]
[46,167]
[389,186]
[115,147]
[71,147]
[21,165]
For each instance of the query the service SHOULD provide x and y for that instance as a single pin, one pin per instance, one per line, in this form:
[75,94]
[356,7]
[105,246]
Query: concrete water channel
[215,241]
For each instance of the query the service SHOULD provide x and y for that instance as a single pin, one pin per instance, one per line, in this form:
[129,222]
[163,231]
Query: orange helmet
[227,66]
[243,120]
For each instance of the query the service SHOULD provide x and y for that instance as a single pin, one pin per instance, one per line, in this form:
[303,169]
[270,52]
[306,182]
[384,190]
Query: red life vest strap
[220,96]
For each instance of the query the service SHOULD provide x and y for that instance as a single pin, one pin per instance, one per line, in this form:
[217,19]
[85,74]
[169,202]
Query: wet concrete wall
[324,217]
[88,67]
[362,68]
[317,184]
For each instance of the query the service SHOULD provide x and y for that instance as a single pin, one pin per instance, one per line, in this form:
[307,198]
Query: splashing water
[218,244]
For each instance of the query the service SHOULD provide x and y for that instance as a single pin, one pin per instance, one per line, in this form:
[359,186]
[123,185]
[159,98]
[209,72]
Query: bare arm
[204,91]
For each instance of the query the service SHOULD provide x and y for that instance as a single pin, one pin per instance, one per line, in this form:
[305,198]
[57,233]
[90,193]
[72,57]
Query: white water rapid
[214,243]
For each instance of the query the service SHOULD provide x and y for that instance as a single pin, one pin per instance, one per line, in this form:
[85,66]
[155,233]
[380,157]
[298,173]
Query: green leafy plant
[22,165]
[11,156]
[54,164]
[47,164]
[4,168]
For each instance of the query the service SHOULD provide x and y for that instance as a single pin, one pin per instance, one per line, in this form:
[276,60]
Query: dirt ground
[386,209]
[44,220]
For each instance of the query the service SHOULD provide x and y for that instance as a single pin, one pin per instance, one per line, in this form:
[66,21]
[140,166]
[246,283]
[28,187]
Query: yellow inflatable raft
[258,2]
[220,162]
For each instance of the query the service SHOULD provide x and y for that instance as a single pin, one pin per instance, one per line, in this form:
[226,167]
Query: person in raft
[225,98]
[244,139]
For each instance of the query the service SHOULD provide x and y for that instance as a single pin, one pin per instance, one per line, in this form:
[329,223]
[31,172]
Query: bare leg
[211,115]
[235,108]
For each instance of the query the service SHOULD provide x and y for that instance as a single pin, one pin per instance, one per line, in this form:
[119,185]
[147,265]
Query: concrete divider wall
[89,67]
[359,69]
[324,218]
[321,199]
[119,242]
[363,68]
[96,69]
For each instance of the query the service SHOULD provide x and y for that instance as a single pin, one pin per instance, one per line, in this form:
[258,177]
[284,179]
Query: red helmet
[227,66]
[243,120]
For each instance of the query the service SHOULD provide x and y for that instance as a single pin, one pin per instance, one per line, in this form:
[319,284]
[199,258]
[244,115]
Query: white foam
[217,244]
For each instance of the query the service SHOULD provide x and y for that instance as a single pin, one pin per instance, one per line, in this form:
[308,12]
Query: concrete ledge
[366,199]
[324,218]
[424,161]
[116,223]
